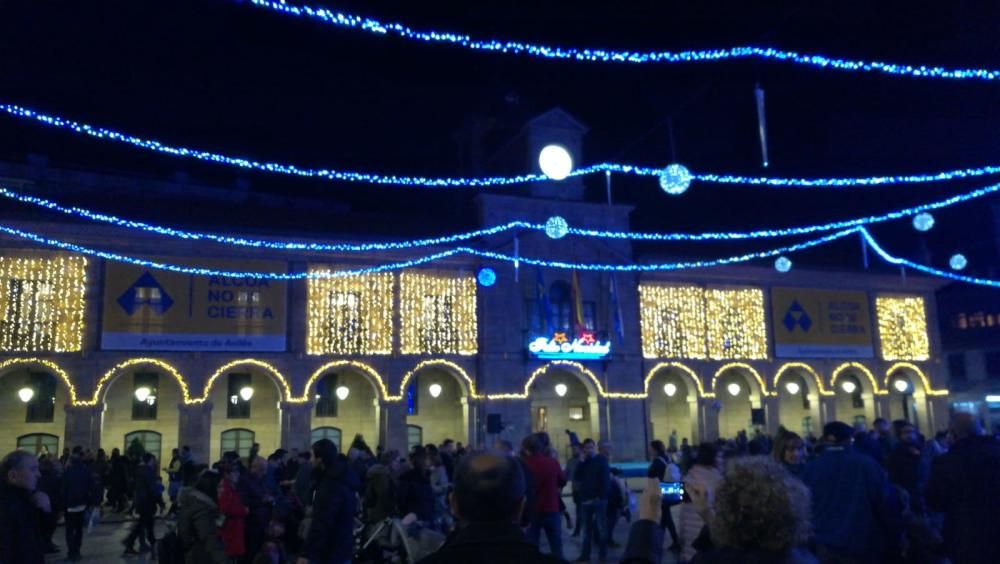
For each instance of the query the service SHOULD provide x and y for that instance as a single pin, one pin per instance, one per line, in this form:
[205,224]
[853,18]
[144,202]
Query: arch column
[296,425]
[827,411]
[772,414]
[393,427]
[708,420]
[882,408]
[83,426]
[195,429]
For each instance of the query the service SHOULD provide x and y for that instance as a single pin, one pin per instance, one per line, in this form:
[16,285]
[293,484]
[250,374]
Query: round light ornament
[342,392]
[675,179]
[958,261]
[25,394]
[555,162]
[670,389]
[783,264]
[435,390]
[561,390]
[923,222]
[246,393]
[792,388]
[556,227]
[734,389]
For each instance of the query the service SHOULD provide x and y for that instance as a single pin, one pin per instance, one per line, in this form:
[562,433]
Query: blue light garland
[447,239]
[478,182]
[371,25]
[924,268]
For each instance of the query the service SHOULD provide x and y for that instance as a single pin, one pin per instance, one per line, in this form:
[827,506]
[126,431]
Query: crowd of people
[849,496]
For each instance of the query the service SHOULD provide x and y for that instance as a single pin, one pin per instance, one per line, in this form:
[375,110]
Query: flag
[578,305]
[617,310]
[542,302]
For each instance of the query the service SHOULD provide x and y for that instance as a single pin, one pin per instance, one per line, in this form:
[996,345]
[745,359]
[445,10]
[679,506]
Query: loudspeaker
[493,423]
[757,416]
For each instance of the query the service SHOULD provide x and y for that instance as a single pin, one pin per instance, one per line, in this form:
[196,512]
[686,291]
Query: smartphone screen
[672,491]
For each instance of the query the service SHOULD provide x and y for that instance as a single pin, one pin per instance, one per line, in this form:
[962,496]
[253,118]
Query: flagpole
[607,402]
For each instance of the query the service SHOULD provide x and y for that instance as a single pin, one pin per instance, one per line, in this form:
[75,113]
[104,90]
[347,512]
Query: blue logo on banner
[797,316]
[146,291]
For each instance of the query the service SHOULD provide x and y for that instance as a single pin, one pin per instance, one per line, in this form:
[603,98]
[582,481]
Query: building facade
[100,352]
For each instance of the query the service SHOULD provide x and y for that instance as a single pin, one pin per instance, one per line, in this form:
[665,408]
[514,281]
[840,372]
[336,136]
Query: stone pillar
[772,414]
[195,430]
[708,420]
[938,414]
[882,407]
[393,426]
[296,425]
[83,426]
[628,432]
[827,411]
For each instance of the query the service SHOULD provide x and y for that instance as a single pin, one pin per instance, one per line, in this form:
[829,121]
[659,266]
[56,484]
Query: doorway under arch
[798,387]
[673,393]
[45,411]
[855,389]
[739,391]
[436,398]
[247,396]
[563,399]
[346,399]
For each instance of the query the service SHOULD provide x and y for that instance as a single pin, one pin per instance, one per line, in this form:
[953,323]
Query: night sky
[227,77]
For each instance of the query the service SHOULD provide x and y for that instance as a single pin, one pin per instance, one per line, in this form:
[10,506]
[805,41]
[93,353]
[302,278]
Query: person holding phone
[664,470]
[705,475]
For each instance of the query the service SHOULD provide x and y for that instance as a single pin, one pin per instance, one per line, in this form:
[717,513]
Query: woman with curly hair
[759,513]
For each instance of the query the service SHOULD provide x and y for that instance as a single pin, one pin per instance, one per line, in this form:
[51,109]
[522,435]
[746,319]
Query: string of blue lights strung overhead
[555,227]
[399,265]
[673,179]
[344,20]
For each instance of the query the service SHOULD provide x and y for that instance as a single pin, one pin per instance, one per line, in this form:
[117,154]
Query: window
[959,321]
[993,365]
[239,396]
[956,367]
[144,441]
[326,396]
[561,305]
[576,413]
[144,394]
[860,422]
[38,444]
[534,317]
[41,408]
[331,433]
[23,323]
[42,303]
[857,401]
[541,419]
[807,425]
[414,436]
[413,396]
[237,440]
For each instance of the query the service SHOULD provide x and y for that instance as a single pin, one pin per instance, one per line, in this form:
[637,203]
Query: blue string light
[924,268]
[371,25]
[448,239]
[478,182]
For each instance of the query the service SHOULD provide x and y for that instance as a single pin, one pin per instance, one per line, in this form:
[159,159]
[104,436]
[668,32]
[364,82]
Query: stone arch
[736,412]
[820,388]
[860,368]
[104,384]
[914,404]
[582,373]
[912,368]
[846,406]
[367,372]
[762,386]
[13,363]
[800,411]
[284,389]
[686,374]
[459,373]
[553,413]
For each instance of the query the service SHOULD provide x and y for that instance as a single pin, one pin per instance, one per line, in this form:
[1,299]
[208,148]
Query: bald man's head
[488,488]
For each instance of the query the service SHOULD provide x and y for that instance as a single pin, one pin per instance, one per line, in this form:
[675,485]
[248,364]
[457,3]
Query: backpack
[170,548]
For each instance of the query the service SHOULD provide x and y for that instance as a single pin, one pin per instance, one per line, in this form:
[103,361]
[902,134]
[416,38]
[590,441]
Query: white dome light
[792,388]
[435,390]
[848,387]
[734,389]
[561,389]
[246,393]
[670,389]
[957,262]
[342,392]
[923,221]
[142,394]
[675,179]
[556,227]
[26,394]
[901,385]
[555,162]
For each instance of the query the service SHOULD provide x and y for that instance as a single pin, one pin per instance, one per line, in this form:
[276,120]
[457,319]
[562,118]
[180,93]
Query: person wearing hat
[850,501]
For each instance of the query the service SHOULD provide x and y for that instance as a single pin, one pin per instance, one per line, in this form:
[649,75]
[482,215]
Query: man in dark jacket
[487,500]
[77,488]
[330,538]
[144,500]
[850,500]
[20,537]
[259,503]
[414,493]
[594,478]
[965,486]
[907,466]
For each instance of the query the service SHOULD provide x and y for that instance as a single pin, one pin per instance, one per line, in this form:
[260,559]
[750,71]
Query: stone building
[100,352]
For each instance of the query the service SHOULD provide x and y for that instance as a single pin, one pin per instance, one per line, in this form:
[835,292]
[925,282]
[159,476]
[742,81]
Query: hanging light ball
[555,162]
[848,387]
[734,389]
[792,388]
[142,394]
[487,277]
[342,392]
[26,394]
[246,393]
[670,389]
[675,179]
[556,227]
[957,261]
[901,385]
[435,390]
[783,264]
[923,221]
[561,389]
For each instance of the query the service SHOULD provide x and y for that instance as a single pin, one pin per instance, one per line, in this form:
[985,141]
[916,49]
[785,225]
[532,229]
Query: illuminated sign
[584,347]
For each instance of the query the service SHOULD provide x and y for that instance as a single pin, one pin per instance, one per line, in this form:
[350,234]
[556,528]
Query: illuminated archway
[12,363]
[733,365]
[285,390]
[678,410]
[799,409]
[924,380]
[468,386]
[855,406]
[744,392]
[370,374]
[683,369]
[437,398]
[860,368]
[820,388]
[40,421]
[117,370]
